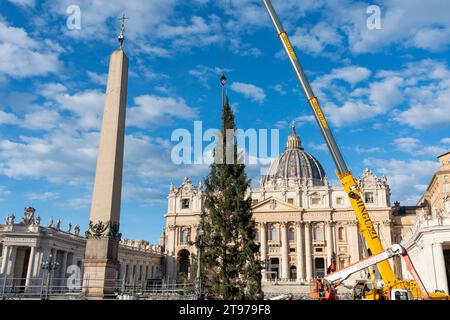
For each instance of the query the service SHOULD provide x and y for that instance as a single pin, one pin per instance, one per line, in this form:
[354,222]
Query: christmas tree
[231,264]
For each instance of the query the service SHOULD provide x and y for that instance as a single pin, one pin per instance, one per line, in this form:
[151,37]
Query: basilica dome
[295,164]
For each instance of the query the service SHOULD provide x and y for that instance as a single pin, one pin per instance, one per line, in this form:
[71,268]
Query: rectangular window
[339,201]
[316,200]
[290,200]
[291,249]
[368,196]
[254,201]
[185,203]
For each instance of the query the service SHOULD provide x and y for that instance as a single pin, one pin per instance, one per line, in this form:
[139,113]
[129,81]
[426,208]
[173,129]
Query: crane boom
[349,183]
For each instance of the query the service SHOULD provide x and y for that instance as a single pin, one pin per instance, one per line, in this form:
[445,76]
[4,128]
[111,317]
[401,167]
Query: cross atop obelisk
[122,30]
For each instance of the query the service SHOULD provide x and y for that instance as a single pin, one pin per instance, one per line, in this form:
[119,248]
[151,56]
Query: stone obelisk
[103,237]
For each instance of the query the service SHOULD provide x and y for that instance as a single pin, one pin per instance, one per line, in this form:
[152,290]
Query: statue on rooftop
[76,230]
[12,218]
[28,216]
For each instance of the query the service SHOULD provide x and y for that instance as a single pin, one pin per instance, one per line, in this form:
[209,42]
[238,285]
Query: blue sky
[385,91]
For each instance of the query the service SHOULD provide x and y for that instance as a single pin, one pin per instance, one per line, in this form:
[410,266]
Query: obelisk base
[100,273]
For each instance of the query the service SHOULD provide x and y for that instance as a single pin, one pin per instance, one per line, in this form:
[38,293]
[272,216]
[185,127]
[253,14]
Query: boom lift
[346,178]
[325,289]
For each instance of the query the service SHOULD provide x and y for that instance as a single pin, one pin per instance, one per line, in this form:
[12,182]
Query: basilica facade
[303,221]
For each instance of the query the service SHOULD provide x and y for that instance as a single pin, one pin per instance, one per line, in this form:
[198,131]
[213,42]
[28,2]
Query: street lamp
[201,243]
[49,265]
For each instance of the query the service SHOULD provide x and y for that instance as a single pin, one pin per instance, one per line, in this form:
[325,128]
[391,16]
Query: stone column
[37,263]
[122,270]
[6,252]
[63,271]
[284,252]
[308,254]
[12,261]
[300,253]
[329,231]
[30,266]
[439,265]
[263,247]
[54,259]
[103,237]
[353,235]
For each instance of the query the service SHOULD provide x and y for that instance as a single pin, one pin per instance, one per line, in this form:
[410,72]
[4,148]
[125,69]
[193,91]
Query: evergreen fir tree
[231,266]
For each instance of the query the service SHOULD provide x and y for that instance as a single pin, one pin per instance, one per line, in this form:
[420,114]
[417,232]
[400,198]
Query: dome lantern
[295,164]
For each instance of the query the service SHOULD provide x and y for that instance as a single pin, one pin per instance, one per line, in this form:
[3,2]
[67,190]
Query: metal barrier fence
[61,289]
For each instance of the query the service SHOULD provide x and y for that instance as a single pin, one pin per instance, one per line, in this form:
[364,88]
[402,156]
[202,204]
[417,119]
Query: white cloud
[48,195]
[279,88]
[315,40]
[96,15]
[41,119]
[80,203]
[23,56]
[432,39]
[152,109]
[58,157]
[350,112]
[362,150]
[4,192]
[24,3]
[144,195]
[199,32]
[333,81]
[446,140]
[86,106]
[8,118]
[428,95]
[250,91]
[206,74]
[407,23]
[418,89]
[156,51]
[320,147]
[96,78]
[406,178]
[415,147]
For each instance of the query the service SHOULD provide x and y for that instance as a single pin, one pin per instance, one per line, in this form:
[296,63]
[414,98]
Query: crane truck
[346,178]
[325,288]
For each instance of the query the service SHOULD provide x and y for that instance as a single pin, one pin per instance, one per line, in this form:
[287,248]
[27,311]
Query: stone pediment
[274,205]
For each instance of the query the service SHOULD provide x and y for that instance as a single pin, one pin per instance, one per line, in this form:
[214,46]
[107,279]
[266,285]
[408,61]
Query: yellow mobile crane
[349,183]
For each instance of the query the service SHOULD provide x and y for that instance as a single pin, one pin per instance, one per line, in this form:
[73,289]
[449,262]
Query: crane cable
[225,4]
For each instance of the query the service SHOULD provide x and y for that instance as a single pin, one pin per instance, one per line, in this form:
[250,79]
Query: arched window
[291,234]
[318,233]
[341,234]
[273,234]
